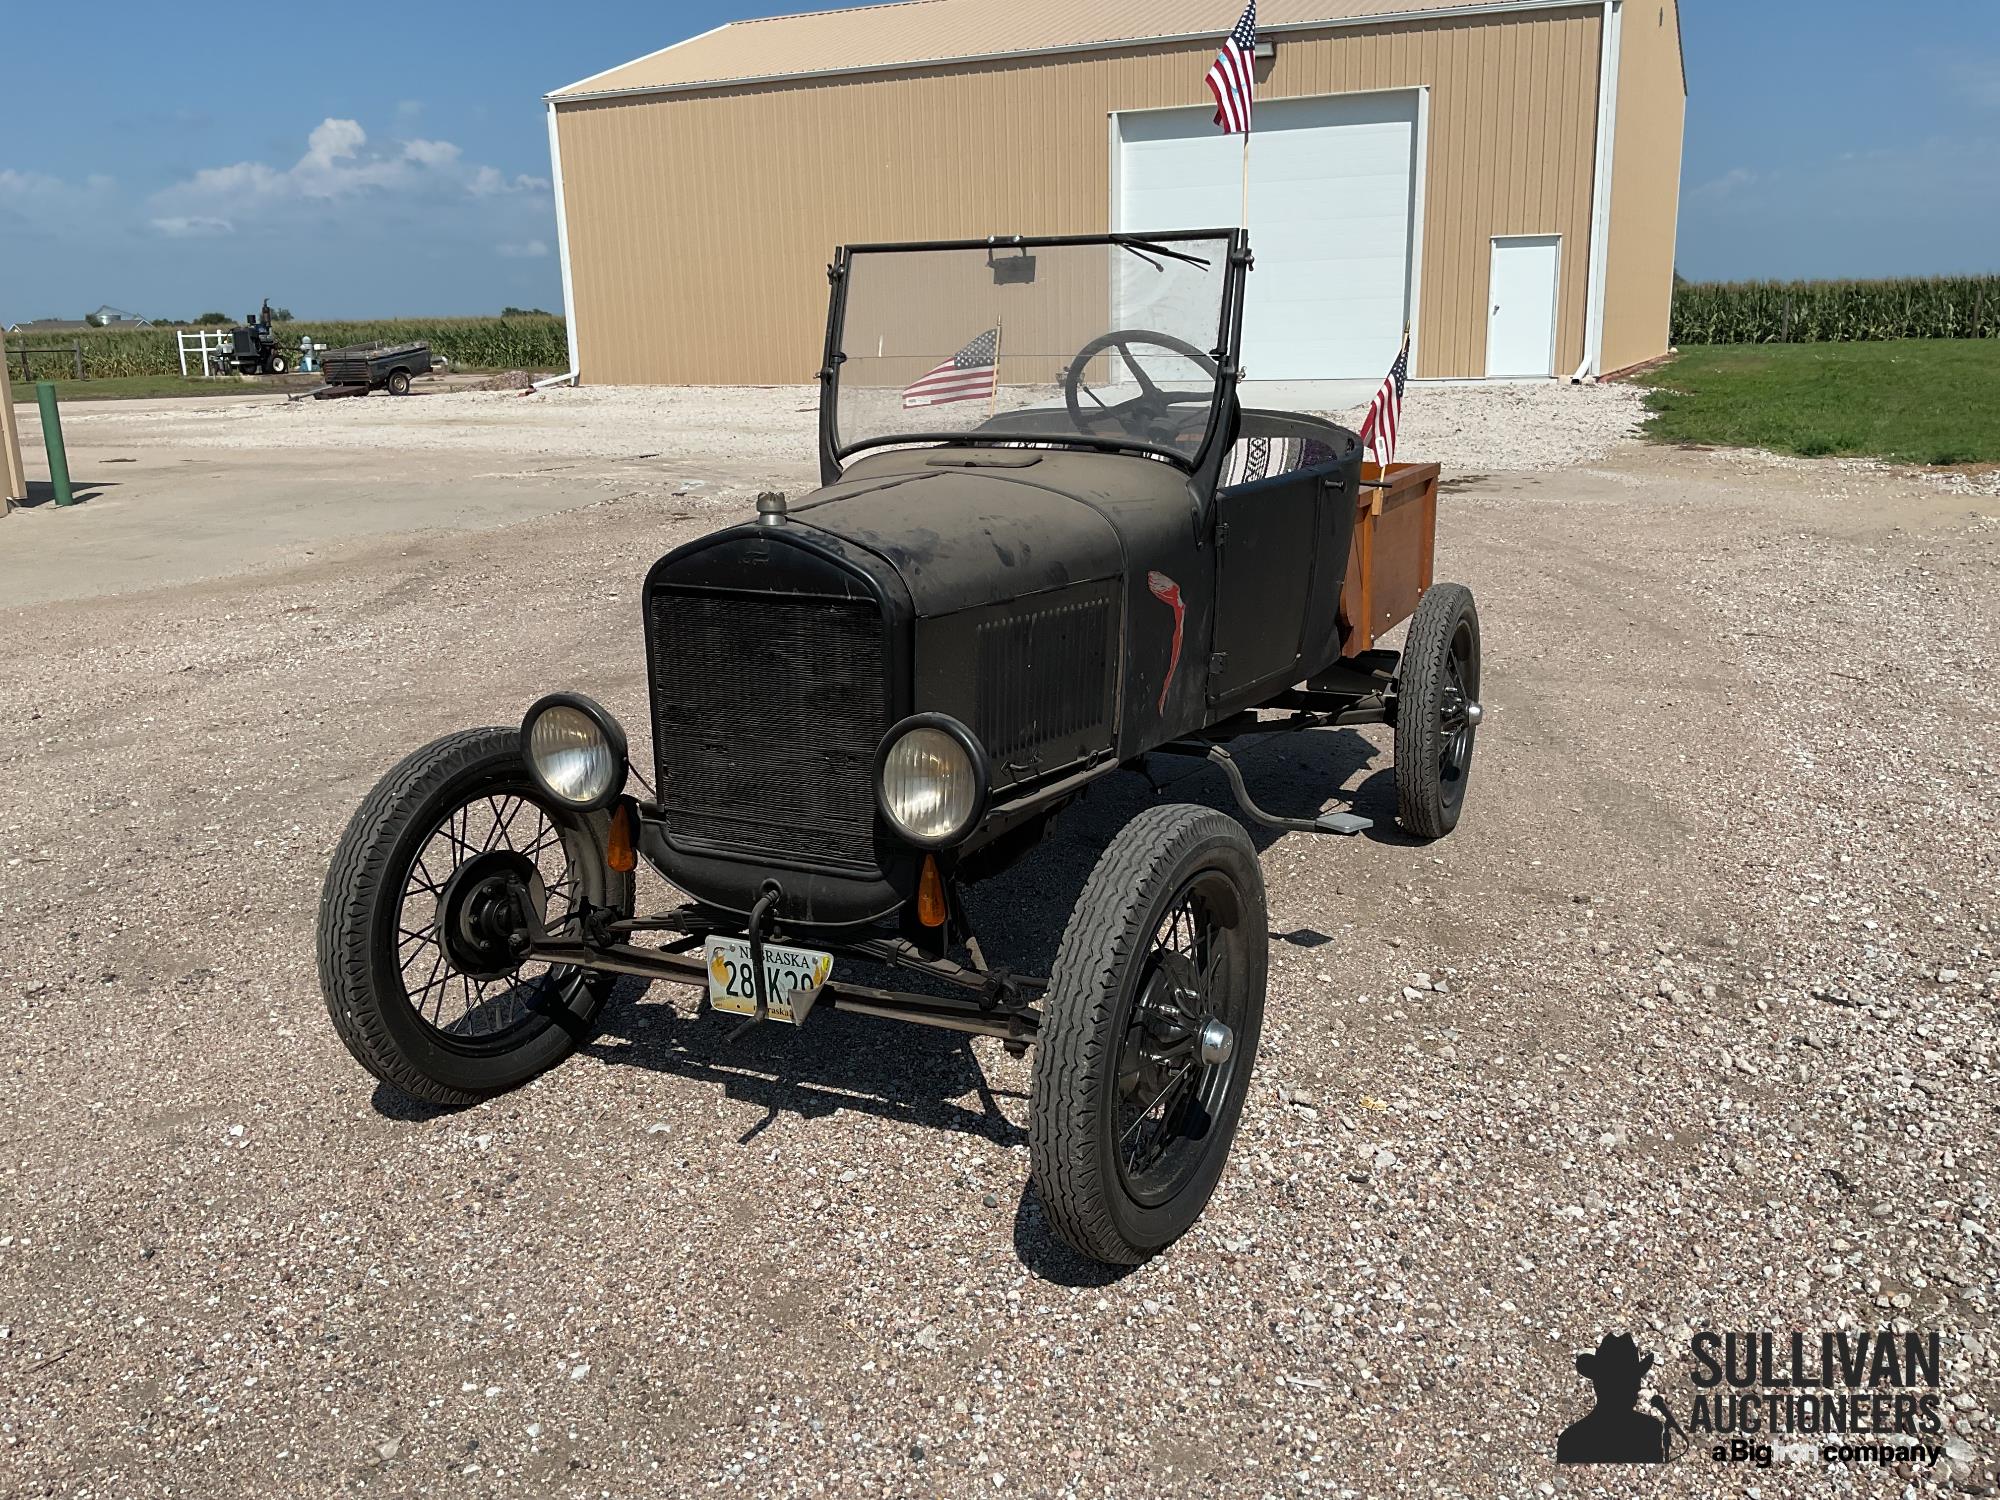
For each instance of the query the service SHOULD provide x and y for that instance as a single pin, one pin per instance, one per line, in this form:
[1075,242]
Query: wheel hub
[1173,1030]
[1217,1043]
[483,909]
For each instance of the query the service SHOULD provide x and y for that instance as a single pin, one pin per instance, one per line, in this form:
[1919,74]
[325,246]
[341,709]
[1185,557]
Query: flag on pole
[1232,77]
[1385,412]
[972,374]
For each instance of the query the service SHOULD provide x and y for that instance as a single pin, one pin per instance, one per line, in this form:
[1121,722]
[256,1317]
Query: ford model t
[1049,542]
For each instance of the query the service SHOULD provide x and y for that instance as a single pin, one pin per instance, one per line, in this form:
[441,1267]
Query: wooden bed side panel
[1392,560]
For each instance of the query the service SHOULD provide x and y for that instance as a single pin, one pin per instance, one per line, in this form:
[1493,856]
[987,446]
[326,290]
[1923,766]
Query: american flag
[1385,412]
[968,375]
[1231,79]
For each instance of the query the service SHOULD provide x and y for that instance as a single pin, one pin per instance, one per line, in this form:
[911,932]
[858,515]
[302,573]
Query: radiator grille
[766,716]
[1042,676]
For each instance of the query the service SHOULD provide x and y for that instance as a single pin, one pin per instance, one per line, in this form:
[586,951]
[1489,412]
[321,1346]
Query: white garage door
[1332,208]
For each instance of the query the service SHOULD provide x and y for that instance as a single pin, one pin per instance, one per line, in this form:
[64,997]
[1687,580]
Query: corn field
[1824,312]
[524,343]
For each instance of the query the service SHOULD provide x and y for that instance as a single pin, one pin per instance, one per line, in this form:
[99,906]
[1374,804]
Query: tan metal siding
[699,223]
[1645,186]
[945,31]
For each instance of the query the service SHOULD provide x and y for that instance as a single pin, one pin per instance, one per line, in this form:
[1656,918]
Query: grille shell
[767,712]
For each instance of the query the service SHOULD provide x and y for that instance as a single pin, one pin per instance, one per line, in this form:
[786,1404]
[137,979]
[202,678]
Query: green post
[45,395]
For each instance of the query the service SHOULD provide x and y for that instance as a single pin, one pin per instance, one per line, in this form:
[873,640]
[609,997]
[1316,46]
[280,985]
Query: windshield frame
[1227,350]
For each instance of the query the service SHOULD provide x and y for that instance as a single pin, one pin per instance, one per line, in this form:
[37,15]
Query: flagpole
[993,400]
[1246,178]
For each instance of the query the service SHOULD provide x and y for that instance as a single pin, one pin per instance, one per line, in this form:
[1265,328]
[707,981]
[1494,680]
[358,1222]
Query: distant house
[106,316]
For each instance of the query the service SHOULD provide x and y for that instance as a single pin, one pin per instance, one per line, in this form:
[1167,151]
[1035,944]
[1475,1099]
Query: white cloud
[339,163]
[522,249]
[1729,182]
[431,153]
[333,140]
[193,226]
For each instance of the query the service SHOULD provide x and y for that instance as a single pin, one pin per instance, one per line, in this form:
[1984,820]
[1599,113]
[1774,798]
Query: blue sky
[393,159]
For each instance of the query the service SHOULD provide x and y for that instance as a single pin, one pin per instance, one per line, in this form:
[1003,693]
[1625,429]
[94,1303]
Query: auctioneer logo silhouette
[1616,1431]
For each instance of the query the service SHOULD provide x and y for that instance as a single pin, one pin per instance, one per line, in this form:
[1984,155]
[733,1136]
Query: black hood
[965,528]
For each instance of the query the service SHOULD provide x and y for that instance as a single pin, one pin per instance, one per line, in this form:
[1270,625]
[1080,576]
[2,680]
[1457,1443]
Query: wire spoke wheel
[456,973]
[1437,711]
[1167,1093]
[424,919]
[1148,1033]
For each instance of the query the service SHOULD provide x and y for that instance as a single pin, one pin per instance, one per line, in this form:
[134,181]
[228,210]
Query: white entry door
[1332,218]
[1521,329]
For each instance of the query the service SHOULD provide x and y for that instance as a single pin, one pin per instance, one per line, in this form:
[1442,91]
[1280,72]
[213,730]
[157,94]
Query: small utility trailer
[373,367]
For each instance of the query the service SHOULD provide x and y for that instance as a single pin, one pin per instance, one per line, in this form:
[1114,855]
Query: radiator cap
[771,508]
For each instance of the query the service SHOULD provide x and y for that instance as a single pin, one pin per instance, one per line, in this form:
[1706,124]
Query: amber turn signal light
[930,894]
[618,851]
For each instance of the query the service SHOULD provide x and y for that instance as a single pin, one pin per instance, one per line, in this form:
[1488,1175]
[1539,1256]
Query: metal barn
[1502,176]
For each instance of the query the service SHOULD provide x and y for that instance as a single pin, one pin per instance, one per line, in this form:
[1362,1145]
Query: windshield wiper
[1139,247]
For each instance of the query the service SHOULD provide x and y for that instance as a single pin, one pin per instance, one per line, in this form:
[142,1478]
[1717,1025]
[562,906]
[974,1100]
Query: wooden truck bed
[1390,563]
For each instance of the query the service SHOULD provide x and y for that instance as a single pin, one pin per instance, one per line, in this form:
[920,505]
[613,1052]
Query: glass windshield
[1111,342]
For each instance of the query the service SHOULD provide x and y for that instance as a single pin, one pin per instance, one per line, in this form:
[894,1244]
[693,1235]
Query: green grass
[127,387]
[1925,401]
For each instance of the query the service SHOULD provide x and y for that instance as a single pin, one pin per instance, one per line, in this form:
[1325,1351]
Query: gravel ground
[1692,1024]
[1465,427]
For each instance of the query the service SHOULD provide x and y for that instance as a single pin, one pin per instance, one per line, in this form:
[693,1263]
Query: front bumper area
[996,1003]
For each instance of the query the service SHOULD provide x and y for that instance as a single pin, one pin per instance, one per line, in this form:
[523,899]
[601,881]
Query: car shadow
[1020,914]
[840,1061]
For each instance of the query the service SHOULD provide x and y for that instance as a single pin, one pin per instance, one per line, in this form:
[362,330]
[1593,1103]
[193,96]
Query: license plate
[792,978]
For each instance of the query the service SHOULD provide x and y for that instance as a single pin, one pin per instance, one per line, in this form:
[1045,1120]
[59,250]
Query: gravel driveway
[1691,1025]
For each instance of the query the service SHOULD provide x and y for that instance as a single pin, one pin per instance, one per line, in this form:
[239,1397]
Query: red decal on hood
[1169,593]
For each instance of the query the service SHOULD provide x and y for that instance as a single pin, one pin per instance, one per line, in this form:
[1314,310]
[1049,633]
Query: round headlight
[932,780]
[575,750]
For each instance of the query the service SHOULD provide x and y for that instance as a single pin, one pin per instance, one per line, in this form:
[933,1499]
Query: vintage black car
[1049,544]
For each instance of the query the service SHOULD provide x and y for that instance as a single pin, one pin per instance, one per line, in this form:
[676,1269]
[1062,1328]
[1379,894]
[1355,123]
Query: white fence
[206,344]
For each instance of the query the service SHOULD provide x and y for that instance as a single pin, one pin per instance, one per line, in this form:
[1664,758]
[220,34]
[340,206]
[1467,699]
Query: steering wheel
[1152,413]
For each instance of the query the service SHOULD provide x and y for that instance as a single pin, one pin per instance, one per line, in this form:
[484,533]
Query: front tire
[277,364]
[1437,711]
[1132,1118]
[423,995]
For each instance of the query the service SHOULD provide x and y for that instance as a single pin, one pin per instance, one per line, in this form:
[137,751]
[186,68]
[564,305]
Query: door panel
[1521,328]
[1264,575]
[1332,209]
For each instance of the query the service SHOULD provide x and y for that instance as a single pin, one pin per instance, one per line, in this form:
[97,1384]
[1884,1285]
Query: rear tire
[399,382]
[1118,1183]
[277,364]
[389,918]
[1435,724]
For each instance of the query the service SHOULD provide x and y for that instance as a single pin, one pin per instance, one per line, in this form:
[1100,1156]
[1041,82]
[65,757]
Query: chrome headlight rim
[982,779]
[605,723]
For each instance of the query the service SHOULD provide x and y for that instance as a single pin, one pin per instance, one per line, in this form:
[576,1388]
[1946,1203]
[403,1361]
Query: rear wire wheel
[1148,1034]
[1437,711]
[419,978]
